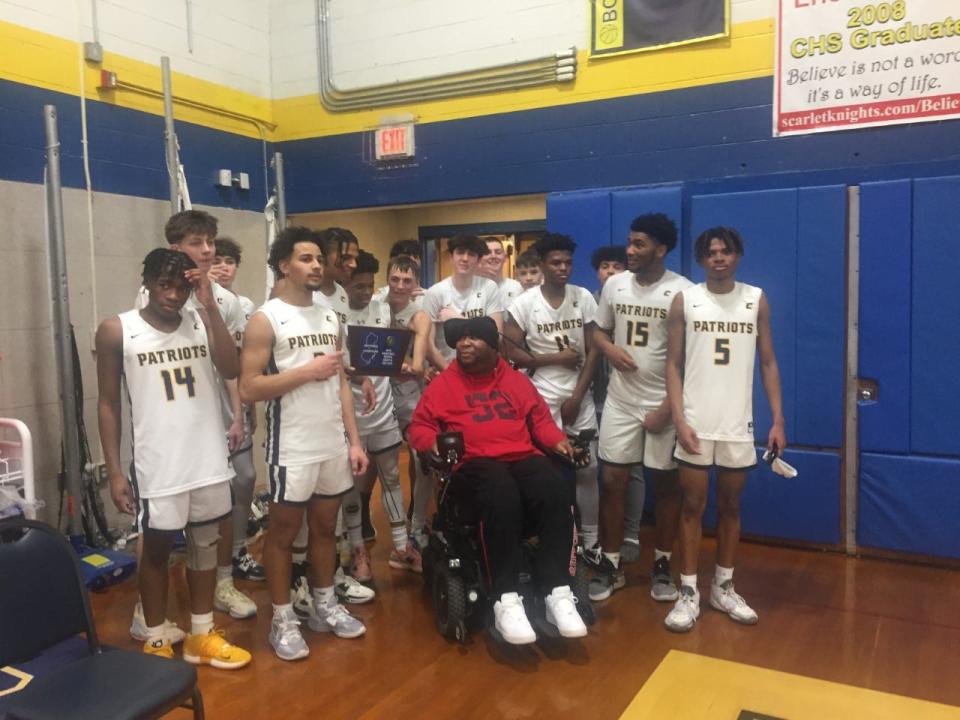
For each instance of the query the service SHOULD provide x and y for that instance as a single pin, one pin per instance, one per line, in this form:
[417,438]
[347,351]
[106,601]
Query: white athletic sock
[155,633]
[722,575]
[590,535]
[689,580]
[201,624]
[283,611]
[613,557]
[299,557]
[324,597]
[224,573]
[657,554]
[399,535]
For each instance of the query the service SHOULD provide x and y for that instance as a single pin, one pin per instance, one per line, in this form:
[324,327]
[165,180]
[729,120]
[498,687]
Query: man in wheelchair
[503,475]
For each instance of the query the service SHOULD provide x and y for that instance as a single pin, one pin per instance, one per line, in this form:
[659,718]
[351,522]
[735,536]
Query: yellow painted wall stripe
[39,59]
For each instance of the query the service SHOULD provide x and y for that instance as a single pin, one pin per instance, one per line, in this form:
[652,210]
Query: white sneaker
[336,619]
[725,599]
[286,639]
[138,628]
[301,598]
[562,612]
[351,590]
[511,621]
[685,613]
[226,598]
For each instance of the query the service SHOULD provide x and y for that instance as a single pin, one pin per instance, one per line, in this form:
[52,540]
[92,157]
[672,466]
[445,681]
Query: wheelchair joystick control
[450,447]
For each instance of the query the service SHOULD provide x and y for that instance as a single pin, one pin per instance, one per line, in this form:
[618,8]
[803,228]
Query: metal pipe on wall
[59,291]
[170,136]
[281,190]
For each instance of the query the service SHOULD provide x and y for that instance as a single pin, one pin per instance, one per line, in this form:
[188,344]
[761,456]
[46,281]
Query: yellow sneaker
[160,648]
[213,649]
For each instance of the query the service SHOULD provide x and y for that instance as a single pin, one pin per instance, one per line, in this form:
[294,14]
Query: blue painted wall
[717,132]
[126,149]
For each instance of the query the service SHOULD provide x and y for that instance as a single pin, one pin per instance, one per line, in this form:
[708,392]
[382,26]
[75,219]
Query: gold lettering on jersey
[159,357]
[553,327]
[640,311]
[312,340]
[710,326]
[473,313]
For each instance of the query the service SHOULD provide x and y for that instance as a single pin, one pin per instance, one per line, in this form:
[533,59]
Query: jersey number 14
[179,376]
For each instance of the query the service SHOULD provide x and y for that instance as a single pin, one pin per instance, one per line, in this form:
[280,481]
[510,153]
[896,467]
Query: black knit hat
[482,328]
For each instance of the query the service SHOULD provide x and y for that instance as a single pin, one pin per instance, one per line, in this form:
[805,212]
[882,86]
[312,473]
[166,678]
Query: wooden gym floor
[871,624]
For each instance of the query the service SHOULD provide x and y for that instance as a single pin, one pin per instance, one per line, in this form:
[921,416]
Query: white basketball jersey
[337,301]
[637,314]
[721,347]
[550,330]
[510,289]
[305,425]
[383,416]
[402,319]
[481,298]
[173,388]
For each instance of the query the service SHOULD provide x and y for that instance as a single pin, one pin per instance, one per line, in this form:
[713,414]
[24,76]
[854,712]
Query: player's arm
[109,345]
[616,355]
[235,433]
[676,326]
[358,458]
[498,319]
[257,349]
[223,349]
[570,408]
[432,309]
[421,325]
[770,376]
[524,358]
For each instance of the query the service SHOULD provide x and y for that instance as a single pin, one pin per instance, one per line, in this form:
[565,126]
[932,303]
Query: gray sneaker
[630,551]
[602,586]
[336,619]
[662,587]
[286,639]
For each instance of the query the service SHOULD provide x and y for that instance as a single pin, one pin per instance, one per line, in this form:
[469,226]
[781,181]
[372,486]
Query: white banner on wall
[852,63]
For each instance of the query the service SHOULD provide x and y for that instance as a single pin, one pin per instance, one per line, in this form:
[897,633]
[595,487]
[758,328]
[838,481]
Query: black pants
[510,497]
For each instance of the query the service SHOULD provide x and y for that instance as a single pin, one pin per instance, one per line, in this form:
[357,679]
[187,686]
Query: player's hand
[235,433]
[408,372]
[620,359]
[687,437]
[448,312]
[570,410]
[564,448]
[358,460]
[122,494]
[202,288]
[417,292]
[324,366]
[216,273]
[429,373]
[657,420]
[777,439]
[369,396]
[569,358]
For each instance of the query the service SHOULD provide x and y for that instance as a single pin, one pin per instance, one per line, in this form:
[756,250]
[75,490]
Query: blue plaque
[377,350]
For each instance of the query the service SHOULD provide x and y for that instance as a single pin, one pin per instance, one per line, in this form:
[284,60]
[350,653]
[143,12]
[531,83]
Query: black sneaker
[594,558]
[662,587]
[246,568]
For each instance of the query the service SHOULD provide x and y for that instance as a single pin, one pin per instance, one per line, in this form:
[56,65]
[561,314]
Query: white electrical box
[242,181]
[224,178]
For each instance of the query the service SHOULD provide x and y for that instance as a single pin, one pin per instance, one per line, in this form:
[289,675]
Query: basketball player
[716,329]
[194,232]
[292,359]
[631,331]
[550,321]
[491,266]
[462,295]
[226,262]
[528,269]
[169,356]
[405,313]
[380,435]
[409,249]
[340,248]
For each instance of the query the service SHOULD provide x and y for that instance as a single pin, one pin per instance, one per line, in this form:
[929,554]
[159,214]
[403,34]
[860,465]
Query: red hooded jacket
[499,413]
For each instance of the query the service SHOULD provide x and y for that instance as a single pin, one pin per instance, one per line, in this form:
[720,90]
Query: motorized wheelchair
[453,569]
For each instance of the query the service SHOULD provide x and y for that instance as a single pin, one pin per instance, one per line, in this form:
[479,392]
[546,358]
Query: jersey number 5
[637,334]
[721,351]
[179,376]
